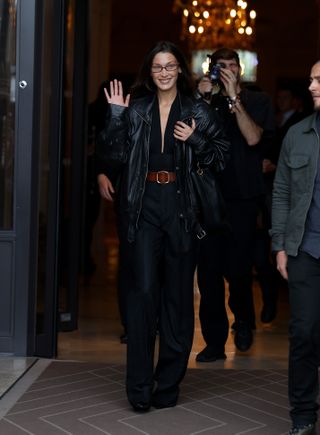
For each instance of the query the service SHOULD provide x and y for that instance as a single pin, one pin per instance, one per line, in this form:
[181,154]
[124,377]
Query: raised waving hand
[115,95]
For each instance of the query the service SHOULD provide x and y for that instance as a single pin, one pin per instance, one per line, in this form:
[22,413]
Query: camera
[214,72]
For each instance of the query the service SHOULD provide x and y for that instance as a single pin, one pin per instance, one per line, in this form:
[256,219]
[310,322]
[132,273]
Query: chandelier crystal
[216,23]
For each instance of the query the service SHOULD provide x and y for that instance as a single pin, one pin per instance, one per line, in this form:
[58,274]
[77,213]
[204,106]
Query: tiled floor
[83,391]
[89,398]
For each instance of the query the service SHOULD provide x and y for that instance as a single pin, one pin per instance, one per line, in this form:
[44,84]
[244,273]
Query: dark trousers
[125,273]
[304,337]
[93,200]
[164,258]
[212,310]
[267,274]
[242,216]
[229,256]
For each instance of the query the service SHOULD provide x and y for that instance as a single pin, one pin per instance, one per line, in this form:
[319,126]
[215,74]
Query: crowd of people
[152,141]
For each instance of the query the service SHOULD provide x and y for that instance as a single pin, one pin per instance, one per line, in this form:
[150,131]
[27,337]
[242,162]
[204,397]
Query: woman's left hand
[183,131]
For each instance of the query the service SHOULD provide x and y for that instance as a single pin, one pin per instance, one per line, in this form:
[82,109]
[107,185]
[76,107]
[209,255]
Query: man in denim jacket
[296,241]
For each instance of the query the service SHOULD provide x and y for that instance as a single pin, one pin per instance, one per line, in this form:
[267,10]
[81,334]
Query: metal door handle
[23,84]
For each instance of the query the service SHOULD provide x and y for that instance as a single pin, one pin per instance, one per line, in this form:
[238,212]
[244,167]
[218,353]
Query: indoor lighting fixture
[216,23]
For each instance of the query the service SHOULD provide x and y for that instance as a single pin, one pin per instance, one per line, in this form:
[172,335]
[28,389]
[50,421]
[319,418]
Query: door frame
[45,341]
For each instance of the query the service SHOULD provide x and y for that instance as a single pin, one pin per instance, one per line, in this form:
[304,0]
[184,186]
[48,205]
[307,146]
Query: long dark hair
[144,83]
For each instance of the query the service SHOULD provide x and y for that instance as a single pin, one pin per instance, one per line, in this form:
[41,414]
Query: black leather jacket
[123,150]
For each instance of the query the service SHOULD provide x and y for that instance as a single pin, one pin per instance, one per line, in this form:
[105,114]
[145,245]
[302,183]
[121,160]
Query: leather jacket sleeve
[112,143]
[208,141]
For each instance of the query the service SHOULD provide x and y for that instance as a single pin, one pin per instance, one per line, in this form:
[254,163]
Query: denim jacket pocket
[301,178]
[298,161]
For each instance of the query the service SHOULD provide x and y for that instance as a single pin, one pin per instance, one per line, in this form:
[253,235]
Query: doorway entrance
[64,71]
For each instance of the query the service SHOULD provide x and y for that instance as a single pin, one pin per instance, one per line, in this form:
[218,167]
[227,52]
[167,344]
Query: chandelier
[216,23]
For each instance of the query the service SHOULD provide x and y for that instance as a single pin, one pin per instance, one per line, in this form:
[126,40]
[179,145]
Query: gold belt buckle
[162,172]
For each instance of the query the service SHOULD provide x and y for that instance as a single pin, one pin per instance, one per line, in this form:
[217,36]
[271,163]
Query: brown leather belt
[161,177]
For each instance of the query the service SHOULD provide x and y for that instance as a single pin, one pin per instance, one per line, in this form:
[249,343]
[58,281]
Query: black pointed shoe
[159,405]
[140,406]
[208,354]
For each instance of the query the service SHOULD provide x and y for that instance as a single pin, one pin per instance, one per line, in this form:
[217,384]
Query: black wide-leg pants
[304,337]
[164,258]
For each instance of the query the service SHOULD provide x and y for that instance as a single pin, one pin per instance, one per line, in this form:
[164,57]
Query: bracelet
[232,101]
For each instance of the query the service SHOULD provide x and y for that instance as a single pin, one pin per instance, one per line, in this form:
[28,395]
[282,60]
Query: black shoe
[243,337]
[124,338]
[158,405]
[308,429]
[140,406]
[268,313]
[209,355]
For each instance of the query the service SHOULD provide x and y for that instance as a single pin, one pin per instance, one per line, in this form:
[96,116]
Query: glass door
[8,39]
[7,110]
[42,132]
[73,163]
[46,178]
[61,108]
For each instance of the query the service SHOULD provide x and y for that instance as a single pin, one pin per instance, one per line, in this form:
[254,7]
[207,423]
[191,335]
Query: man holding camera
[249,123]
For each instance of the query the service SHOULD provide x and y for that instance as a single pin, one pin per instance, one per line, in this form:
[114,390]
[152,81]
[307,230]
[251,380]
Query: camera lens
[214,73]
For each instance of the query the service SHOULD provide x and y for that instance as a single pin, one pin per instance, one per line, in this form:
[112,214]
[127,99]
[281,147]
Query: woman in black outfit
[153,142]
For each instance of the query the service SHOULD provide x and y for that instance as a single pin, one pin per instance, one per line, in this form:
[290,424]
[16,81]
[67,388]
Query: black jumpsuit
[162,296]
